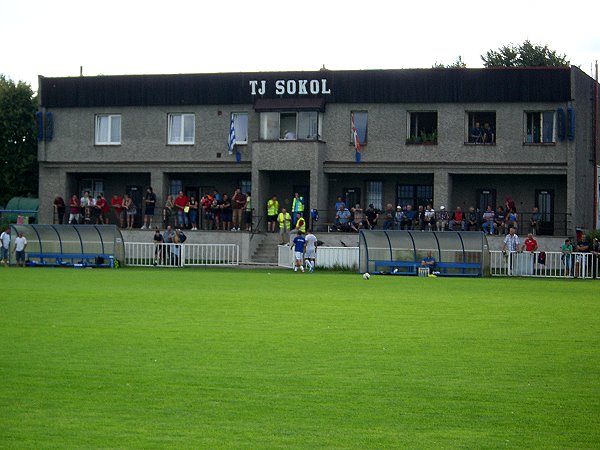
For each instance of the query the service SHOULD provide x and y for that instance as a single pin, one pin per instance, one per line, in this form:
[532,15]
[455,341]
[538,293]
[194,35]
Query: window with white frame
[375,194]
[360,122]
[108,129]
[290,126]
[182,129]
[240,125]
[538,127]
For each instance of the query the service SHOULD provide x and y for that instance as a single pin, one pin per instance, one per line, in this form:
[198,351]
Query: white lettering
[263,87]
[253,84]
[314,86]
[324,89]
[280,87]
[291,87]
[302,87]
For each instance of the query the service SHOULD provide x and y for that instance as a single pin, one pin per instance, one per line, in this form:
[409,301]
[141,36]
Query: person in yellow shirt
[284,220]
[272,210]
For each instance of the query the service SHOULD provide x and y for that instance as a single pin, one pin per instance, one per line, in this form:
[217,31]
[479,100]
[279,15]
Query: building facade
[417,130]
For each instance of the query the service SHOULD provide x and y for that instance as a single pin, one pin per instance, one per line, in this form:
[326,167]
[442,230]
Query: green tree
[524,55]
[458,64]
[18,146]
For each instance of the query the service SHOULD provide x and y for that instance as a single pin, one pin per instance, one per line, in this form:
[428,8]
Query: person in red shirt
[530,244]
[117,204]
[238,203]
[181,203]
[74,210]
[102,210]
[458,218]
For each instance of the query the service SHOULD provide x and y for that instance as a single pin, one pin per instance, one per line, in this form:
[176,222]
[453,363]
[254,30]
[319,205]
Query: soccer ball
[366,275]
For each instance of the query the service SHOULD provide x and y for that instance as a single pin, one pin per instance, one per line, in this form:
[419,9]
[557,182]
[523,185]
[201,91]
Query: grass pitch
[142,358]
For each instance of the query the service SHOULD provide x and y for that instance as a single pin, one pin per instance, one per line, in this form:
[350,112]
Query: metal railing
[544,264]
[179,255]
[343,258]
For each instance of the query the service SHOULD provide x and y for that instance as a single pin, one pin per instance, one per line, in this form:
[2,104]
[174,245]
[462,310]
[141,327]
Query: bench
[443,267]
[72,259]
[391,265]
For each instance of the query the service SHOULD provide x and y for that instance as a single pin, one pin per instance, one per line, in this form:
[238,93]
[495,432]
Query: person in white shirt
[5,245]
[310,254]
[19,250]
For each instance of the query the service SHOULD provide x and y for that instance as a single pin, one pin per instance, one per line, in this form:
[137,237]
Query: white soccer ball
[366,275]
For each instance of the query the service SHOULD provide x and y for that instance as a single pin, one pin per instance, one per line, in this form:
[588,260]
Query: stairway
[266,252]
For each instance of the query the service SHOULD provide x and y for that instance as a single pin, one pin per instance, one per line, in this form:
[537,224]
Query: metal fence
[180,255]
[544,264]
[342,258]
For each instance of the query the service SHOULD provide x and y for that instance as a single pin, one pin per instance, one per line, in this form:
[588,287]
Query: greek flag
[231,136]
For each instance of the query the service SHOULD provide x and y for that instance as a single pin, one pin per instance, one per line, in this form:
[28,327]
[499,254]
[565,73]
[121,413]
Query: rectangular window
[108,129]
[539,127]
[360,122]
[290,126]
[182,129]
[240,125]
[375,194]
[95,186]
[246,186]
[480,127]
[175,186]
[414,194]
[422,127]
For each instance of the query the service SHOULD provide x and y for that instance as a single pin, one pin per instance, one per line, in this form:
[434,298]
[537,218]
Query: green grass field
[141,358]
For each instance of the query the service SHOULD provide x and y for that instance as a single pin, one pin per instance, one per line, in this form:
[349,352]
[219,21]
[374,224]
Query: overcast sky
[109,37]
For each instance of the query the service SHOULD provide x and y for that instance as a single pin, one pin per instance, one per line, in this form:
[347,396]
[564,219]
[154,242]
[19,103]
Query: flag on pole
[356,141]
[231,136]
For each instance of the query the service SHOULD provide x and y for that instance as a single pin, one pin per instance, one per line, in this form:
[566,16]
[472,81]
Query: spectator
[297,205]
[371,215]
[176,250]
[509,204]
[583,248]
[168,236]
[595,257]
[409,217]
[207,214]
[489,222]
[248,212]
[150,200]
[442,219]
[19,249]
[74,210]
[193,211]
[359,218]
[158,247]
[130,210]
[472,220]
[510,246]
[489,137]
[430,218]
[530,244]
[512,219]
[59,208]
[398,218]
[226,213]
[342,218]
[499,220]
[217,208]
[339,202]
[272,211]
[101,209]
[458,218]
[534,222]
[117,205]
[86,203]
[566,250]
[388,217]
[284,221]
[477,134]
[181,203]
[5,245]
[168,210]
[420,220]
[238,204]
